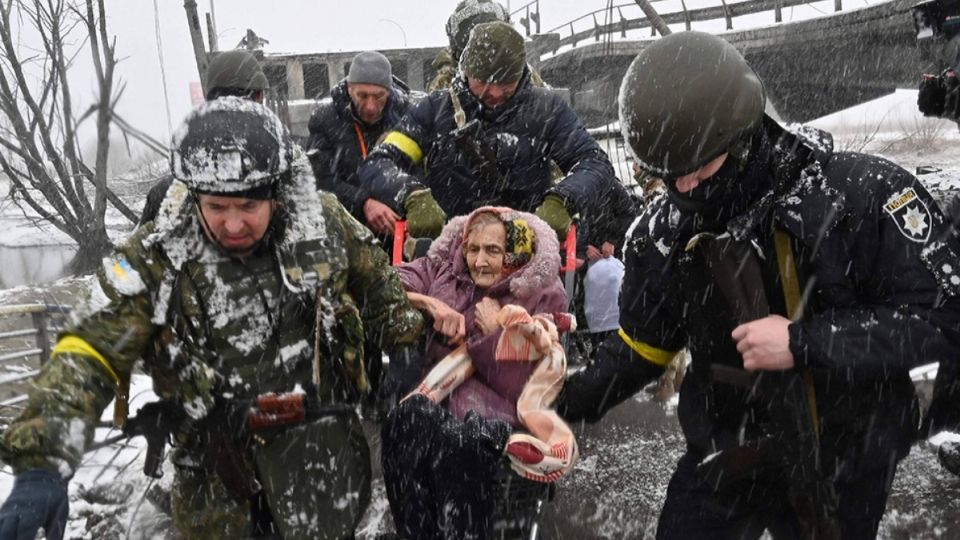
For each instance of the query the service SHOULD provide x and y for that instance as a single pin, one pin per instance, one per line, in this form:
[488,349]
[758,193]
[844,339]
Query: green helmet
[468,14]
[685,99]
[237,70]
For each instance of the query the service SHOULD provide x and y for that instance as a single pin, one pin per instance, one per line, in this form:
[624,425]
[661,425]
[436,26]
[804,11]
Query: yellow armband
[652,354]
[406,145]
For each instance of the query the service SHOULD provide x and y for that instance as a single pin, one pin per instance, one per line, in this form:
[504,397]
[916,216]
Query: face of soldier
[688,182]
[492,95]
[235,223]
[485,248]
[369,100]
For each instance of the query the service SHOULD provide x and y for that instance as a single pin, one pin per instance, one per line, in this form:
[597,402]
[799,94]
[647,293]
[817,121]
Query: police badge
[910,214]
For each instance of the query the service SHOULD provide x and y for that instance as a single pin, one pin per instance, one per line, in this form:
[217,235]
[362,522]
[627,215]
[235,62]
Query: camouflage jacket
[207,325]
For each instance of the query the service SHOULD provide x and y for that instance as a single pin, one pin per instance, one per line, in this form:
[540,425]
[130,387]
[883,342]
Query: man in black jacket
[347,125]
[489,139]
[805,284]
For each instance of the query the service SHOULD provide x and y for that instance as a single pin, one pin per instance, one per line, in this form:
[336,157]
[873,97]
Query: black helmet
[686,99]
[237,70]
[468,14]
[229,146]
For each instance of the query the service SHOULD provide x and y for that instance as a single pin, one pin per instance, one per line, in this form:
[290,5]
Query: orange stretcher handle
[570,246]
[399,237]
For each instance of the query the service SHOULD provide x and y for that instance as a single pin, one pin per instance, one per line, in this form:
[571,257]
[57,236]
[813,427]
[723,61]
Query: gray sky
[289,25]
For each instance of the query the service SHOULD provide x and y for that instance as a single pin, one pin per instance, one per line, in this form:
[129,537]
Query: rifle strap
[459,116]
[790,280]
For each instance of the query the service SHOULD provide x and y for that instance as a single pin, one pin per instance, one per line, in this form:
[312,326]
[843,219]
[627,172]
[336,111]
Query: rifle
[794,445]
[154,422]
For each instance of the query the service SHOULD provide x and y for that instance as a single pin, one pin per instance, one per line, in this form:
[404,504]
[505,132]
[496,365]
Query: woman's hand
[448,322]
[485,315]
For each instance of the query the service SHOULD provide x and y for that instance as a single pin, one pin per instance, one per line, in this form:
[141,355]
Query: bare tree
[39,147]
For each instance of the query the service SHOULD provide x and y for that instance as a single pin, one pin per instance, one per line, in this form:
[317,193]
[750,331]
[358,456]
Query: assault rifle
[226,429]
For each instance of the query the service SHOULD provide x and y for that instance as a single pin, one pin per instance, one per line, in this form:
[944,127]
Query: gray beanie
[371,67]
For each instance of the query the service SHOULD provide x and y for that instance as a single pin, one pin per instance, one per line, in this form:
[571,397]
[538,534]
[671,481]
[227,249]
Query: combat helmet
[231,146]
[468,14]
[236,70]
[685,99]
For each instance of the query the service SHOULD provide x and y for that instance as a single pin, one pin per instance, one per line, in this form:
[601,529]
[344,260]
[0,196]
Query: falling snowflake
[915,221]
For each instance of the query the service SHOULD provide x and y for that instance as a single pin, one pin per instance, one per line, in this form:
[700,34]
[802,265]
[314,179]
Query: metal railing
[46,320]
[572,32]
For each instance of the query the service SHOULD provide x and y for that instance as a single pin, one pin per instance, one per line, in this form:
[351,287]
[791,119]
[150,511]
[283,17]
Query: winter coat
[443,274]
[871,252]
[609,220]
[339,141]
[291,314]
[534,127]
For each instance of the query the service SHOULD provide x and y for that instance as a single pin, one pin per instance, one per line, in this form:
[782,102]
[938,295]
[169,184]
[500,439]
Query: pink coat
[442,274]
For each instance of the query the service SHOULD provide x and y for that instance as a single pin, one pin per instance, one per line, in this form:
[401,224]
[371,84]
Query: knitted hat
[519,246]
[371,67]
[495,53]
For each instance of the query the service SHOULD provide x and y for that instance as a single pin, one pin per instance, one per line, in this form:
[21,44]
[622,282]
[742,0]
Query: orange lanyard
[363,144]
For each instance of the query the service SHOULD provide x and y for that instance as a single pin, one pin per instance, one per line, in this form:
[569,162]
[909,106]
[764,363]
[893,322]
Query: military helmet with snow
[686,99]
[230,146]
[468,14]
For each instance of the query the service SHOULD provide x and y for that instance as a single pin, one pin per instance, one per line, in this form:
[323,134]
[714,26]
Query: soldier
[805,284]
[487,140]
[230,73]
[250,283]
[468,13]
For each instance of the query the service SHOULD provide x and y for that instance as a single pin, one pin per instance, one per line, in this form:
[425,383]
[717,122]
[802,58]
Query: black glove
[38,500]
[401,376]
[931,95]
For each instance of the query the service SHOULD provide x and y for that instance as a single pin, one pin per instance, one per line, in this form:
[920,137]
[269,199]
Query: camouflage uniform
[231,329]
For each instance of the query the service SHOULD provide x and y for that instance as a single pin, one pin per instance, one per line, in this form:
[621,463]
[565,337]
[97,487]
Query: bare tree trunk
[39,147]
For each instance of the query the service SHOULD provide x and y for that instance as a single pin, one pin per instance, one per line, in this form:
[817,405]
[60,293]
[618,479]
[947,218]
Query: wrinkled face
[485,249]
[688,182]
[234,223]
[369,100]
[492,95]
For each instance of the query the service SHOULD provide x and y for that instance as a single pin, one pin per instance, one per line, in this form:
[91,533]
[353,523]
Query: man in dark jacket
[488,140]
[805,284]
[230,73]
[347,125]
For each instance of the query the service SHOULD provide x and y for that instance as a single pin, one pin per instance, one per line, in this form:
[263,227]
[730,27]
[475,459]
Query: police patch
[910,214]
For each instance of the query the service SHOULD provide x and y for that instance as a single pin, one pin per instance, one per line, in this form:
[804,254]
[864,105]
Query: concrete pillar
[415,72]
[335,71]
[294,79]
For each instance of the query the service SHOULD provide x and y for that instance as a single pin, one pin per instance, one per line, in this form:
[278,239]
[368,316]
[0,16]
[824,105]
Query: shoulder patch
[910,214]
[121,276]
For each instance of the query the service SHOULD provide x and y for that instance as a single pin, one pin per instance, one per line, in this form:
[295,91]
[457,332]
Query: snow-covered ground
[109,493]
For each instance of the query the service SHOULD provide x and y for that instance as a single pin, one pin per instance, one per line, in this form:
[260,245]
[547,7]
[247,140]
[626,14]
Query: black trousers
[693,510]
[439,472]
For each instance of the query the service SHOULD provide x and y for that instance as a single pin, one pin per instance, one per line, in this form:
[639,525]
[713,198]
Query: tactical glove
[38,500]
[931,95]
[555,214]
[425,218]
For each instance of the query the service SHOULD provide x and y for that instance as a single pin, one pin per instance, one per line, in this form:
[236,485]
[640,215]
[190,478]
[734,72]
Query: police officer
[805,284]
[487,140]
[249,282]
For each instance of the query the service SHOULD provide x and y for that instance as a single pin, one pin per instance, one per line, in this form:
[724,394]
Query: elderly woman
[439,460]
